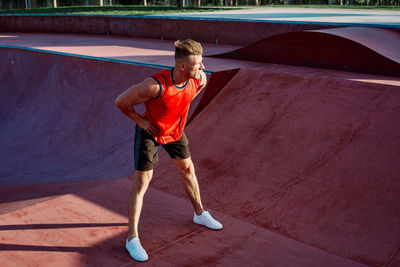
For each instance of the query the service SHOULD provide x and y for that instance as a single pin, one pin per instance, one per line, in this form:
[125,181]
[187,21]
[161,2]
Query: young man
[166,96]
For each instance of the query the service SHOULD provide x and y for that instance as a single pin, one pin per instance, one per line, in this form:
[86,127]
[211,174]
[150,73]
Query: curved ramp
[358,49]
[313,157]
[58,120]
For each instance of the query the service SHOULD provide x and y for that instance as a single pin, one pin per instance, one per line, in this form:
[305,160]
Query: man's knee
[185,167]
[142,180]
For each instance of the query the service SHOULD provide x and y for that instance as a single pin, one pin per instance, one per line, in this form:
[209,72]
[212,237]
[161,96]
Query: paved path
[306,15]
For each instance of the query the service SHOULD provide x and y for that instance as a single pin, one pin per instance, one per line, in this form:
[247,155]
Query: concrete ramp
[58,119]
[358,49]
[301,165]
[61,135]
[312,157]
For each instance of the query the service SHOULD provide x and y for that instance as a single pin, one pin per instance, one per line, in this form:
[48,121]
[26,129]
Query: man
[166,96]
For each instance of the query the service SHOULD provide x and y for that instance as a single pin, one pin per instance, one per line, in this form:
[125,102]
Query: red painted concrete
[226,32]
[148,51]
[14,197]
[357,49]
[89,228]
[310,154]
[46,102]
[214,86]
[384,42]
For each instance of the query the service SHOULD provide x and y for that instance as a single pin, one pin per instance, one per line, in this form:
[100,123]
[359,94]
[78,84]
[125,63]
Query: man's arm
[203,82]
[135,95]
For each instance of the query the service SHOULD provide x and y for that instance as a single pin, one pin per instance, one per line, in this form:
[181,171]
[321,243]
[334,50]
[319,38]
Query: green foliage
[112,10]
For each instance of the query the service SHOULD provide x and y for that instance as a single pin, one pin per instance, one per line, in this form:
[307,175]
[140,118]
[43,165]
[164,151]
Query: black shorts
[146,150]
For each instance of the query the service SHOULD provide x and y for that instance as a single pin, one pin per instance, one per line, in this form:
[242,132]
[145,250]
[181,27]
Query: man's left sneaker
[207,220]
[136,250]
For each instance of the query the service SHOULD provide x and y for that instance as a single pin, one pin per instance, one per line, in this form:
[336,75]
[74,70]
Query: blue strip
[88,57]
[91,57]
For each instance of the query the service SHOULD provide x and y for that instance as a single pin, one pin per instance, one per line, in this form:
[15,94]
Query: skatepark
[295,139]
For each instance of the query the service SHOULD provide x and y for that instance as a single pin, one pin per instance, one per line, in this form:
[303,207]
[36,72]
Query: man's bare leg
[186,169]
[135,204]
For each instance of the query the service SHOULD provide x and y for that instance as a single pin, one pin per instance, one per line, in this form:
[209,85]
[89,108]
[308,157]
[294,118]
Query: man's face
[194,66]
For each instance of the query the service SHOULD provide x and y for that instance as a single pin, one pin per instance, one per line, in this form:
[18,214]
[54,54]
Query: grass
[139,10]
[115,10]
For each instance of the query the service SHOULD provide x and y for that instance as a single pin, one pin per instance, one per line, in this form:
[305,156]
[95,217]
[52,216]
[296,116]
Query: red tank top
[170,108]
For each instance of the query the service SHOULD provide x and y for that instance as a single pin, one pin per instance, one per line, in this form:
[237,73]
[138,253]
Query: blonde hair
[187,47]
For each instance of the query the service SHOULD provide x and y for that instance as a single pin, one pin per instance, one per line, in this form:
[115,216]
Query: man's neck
[178,78]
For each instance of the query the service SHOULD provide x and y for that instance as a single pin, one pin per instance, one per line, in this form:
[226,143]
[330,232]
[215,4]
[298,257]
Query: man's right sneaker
[136,250]
[207,220]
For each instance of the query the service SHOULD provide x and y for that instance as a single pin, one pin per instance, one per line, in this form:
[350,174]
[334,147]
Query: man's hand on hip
[149,127]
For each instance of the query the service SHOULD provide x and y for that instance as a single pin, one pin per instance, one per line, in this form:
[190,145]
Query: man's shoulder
[150,87]
[163,73]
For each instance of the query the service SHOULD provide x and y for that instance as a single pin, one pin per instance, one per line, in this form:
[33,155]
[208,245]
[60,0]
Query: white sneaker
[136,250]
[207,220]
